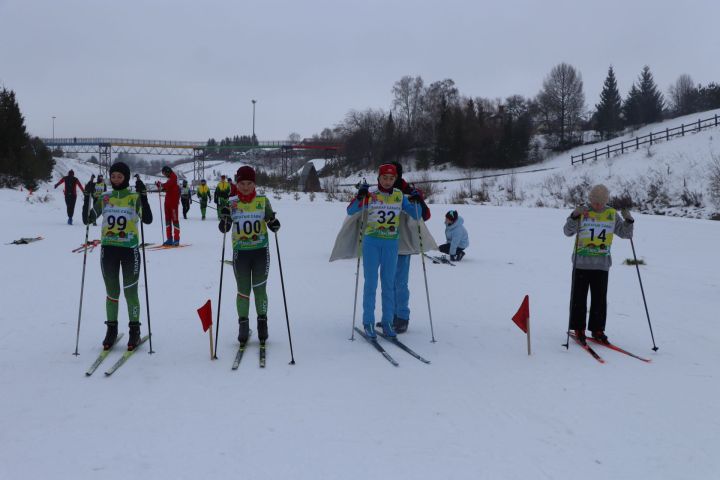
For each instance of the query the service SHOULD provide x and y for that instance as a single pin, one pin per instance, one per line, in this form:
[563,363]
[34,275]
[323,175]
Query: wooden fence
[637,142]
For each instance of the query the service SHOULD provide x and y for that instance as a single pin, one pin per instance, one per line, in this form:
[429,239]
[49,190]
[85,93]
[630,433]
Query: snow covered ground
[482,410]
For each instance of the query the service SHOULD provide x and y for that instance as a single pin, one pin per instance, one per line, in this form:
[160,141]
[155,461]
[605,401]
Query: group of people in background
[385,226]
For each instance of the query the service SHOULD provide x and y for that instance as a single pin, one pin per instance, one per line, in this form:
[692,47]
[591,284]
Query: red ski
[618,349]
[587,348]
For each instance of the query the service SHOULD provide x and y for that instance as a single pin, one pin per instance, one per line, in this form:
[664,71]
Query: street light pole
[253,131]
[53,128]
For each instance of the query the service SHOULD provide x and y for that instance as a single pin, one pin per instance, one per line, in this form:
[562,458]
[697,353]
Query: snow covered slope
[482,410]
[669,178]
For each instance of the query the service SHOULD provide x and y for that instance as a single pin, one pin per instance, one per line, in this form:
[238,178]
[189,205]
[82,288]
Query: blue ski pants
[402,292]
[383,254]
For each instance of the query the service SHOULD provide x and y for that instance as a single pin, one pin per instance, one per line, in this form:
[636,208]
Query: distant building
[308,180]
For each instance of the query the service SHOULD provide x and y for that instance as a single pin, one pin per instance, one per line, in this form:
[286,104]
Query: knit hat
[245,173]
[71,173]
[388,169]
[166,170]
[452,215]
[125,170]
[599,194]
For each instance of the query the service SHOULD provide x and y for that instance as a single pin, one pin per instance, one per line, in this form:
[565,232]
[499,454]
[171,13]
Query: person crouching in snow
[121,210]
[597,225]
[250,216]
[456,236]
[383,205]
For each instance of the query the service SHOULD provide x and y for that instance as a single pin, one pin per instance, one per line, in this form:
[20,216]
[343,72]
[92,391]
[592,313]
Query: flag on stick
[205,314]
[522,319]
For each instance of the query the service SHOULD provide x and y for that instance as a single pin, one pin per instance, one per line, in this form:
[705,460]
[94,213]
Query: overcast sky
[187,70]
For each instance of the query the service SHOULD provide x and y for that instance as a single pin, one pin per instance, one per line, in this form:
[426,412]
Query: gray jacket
[623,229]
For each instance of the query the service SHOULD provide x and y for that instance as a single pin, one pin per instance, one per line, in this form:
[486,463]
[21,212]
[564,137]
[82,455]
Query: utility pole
[253,130]
[53,128]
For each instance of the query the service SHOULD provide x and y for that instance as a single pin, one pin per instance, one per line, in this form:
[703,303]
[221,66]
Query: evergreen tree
[631,107]
[21,157]
[651,100]
[609,110]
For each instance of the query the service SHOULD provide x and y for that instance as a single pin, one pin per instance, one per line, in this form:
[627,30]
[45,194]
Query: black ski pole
[147,295]
[282,283]
[572,283]
[642,290]
[82,287]
[422,259]
[363,218]
[162,222]
[217,321]
[207,206]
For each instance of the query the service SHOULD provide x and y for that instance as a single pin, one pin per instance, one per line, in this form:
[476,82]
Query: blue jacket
[456,236]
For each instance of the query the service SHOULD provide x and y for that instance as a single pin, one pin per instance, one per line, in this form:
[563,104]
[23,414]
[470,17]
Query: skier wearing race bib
[249,216]
[203,193]
[121,211]
[595,227]
[381,207]
[222,194]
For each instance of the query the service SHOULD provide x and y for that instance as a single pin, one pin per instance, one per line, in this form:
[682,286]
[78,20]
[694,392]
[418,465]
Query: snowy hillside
[482,409]
[669,178]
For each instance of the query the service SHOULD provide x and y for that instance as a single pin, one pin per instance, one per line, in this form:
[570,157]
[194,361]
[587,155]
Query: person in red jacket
[71,183]
[172,203]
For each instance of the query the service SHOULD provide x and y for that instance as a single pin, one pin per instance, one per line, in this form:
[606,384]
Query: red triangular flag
[205,313]
[523,314]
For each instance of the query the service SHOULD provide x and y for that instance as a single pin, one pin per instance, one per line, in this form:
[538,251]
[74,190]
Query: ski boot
[262,328]
[601,337]
[581,338]
[244,332]
[176,243]
[400,324]
[370,330]
[168,243]
[134,336]
[69,221]
[388,329]
[110,335]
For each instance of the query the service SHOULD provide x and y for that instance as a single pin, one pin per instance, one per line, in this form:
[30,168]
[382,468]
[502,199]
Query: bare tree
[407,102]
[562,101]
[683,95]
[294,137]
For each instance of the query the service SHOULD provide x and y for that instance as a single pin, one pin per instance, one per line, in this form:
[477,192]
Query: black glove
[273,224]
[225,220]
[140,186]
[415,196]
[363,190]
